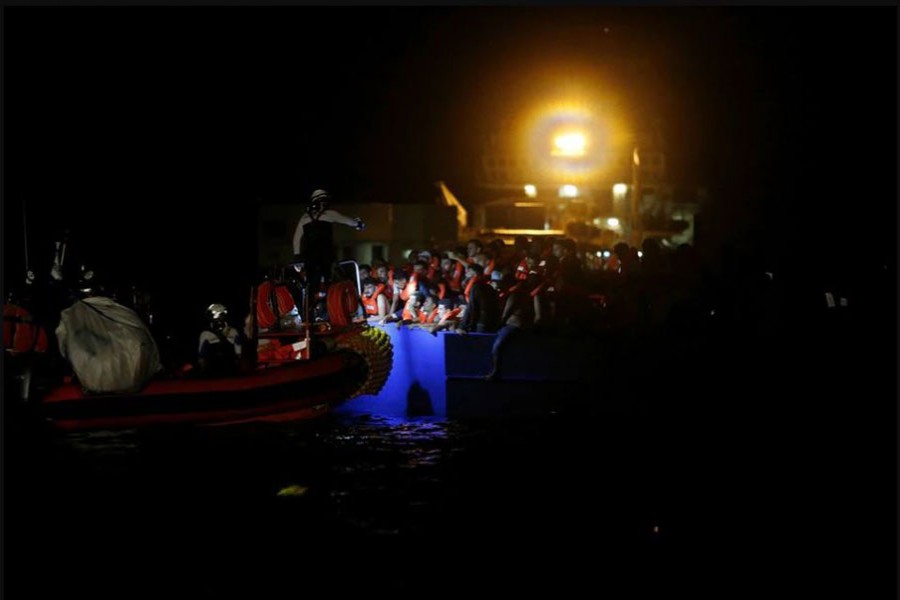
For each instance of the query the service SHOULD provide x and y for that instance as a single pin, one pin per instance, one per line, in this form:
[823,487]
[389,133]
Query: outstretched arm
[333,216]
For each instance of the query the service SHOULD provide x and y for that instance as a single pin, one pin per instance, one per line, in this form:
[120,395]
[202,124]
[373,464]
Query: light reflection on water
[286,490]
[373,474]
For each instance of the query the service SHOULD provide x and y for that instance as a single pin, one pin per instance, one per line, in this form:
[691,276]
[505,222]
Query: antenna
[25,236]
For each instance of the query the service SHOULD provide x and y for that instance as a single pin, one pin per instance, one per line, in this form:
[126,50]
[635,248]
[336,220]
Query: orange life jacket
[370,303]
[454,280]
[411,287]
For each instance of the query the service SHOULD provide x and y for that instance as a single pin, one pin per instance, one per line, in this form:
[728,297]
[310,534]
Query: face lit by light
[530,190]
[569,144]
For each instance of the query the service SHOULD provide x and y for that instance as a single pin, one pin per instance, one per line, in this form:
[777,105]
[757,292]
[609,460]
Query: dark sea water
[444,499]
[761,475]
[362,503]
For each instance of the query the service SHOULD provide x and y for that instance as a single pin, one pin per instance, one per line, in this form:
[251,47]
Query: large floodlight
[572,143]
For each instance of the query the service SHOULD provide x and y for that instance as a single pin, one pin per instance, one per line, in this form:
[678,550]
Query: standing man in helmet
[220,345]
[314,242]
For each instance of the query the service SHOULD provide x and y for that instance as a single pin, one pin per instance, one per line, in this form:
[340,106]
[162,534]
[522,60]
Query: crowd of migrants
[546,284]
[541,283]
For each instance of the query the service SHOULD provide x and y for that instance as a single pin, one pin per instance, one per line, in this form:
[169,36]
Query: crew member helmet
[318,201]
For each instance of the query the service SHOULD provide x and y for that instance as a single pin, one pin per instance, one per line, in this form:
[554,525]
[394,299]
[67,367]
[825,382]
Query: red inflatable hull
[293,391]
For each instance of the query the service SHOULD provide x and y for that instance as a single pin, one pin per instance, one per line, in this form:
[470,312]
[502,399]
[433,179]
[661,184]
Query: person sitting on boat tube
[220,345]
[313,242]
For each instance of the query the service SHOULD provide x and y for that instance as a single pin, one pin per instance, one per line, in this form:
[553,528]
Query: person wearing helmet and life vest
[219,351]
[313,241]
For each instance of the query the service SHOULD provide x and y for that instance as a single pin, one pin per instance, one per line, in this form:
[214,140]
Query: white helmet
[318,200]
[216,312]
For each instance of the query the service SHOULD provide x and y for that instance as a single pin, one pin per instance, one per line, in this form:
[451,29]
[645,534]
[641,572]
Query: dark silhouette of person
[313,242]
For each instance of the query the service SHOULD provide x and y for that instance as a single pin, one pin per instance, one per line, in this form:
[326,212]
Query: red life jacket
[20,333]
[275,351]
[522,270]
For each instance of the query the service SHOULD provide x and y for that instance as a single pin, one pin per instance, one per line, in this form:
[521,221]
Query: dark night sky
[171,123]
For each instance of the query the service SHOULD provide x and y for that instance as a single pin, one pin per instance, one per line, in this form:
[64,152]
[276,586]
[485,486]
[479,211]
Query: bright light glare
[606,254]
[619,190]
[568,191]
[613,222]
[569,144]
[530,190]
